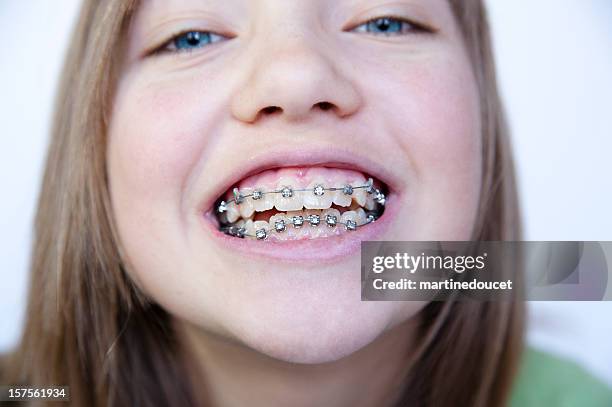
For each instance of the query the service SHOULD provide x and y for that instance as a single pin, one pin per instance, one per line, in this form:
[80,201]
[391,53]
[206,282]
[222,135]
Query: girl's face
[262,94]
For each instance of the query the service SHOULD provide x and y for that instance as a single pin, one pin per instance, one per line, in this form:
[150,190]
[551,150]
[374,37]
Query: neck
[236,375]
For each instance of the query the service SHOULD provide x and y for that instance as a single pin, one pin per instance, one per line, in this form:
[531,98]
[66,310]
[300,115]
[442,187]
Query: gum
[302,177]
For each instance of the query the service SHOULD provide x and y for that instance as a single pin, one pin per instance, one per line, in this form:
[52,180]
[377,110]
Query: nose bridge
[290,70]
[294,72]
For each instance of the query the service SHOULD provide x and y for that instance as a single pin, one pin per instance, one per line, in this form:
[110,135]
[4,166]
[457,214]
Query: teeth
[361,216]
[296,225]
[319,194]
[262,229]
[314,219]
[279,217]
[286,191]
[233,213]
[257,194]
[349,219]
[260,224]
[249,227]
[288,200]
[369,203]
[370,186]
[266,202]
[332,213]
[349,215]
[278,223]
[342,199]
[315,198]
[238,196]
[305,211]
[309,224]
[297,220]
[314,229]
[247,206]
[360,196]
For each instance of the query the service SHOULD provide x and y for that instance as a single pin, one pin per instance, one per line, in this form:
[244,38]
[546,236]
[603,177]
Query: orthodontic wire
[262,234]
[238,198]
[241,231]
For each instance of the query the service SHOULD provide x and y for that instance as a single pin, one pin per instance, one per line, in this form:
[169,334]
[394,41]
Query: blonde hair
[89,327]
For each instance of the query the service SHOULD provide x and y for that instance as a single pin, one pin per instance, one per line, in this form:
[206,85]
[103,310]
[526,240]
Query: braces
[298,221]
[287,192]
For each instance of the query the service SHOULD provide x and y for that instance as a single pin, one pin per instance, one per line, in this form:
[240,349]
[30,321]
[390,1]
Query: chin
[321,334]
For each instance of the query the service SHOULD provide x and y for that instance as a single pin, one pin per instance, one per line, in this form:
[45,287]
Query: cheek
[447,136]
[156,139]
[434,117]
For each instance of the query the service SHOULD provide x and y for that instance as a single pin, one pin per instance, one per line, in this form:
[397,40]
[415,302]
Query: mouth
[299,203]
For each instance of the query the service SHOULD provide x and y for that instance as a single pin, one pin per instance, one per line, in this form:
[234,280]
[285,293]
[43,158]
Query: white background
[555,67]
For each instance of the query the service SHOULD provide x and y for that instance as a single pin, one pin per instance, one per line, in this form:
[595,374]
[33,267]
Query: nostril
[325,105]
[271,109]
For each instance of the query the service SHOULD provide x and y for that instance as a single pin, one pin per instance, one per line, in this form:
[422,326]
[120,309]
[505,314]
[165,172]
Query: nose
[293,81]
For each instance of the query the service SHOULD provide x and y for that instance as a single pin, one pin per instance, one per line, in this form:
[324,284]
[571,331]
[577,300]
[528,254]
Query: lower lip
[329,250]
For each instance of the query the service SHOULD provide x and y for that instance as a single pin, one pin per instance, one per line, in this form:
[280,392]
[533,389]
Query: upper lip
[295,157]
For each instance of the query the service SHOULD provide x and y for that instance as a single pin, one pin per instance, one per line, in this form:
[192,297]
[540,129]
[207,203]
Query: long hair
[90,328]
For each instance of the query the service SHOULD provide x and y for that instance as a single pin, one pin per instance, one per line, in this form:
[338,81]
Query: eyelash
[413,27]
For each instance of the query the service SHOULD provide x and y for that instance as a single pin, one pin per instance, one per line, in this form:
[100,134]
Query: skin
[408,101]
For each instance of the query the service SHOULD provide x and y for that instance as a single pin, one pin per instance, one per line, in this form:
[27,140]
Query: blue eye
[191,40]
[387,26]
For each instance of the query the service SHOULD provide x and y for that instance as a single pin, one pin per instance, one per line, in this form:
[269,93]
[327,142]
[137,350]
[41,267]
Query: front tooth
[233,213]
[265,203]
[314,201]
[313,213]
[297,220]
[294,232]
[359,196]
[314,231]
[293,203]
[246,207]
